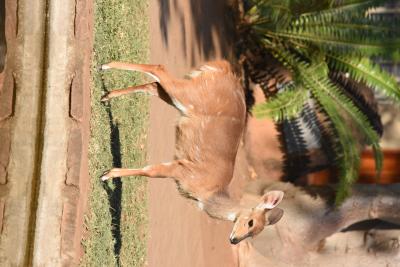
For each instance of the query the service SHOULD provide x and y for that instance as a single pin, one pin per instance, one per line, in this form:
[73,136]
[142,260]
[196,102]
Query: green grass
[121,33]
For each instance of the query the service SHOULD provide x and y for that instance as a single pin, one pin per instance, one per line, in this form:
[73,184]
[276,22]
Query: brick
[5,142]
[74,157]
[6,96]
[2,206]
[68,229]
[76,100]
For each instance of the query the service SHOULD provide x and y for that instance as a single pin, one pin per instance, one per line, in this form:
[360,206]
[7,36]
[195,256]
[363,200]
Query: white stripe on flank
[206,67]
[147,168]
[194,73]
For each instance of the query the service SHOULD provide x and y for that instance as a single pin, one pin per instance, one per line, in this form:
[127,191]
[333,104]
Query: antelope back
[210,130]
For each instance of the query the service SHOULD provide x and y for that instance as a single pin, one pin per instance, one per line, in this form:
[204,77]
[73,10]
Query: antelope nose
[234,241]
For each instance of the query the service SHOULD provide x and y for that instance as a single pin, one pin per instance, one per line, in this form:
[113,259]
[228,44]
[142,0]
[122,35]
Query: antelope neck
[220,206]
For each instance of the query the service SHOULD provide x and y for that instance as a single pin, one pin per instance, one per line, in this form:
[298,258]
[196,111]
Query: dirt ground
[183,34]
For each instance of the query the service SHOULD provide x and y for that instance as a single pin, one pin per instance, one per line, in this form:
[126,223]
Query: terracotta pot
[390,170]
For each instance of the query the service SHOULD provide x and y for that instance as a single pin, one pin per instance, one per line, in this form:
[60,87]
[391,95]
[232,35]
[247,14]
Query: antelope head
[251,222]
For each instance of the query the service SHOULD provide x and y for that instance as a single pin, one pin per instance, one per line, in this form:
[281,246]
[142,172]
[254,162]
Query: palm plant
[328,48]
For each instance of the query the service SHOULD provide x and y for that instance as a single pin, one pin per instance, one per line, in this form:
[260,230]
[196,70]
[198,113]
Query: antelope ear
[270,200]
[273,216]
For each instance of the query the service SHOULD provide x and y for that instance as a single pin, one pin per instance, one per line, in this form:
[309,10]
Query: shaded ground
[183,34]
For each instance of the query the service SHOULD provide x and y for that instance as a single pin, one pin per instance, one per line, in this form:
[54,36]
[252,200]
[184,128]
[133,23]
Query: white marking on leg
[148,92]
[147,168]
[105,67]
[179,105]
[141,91]
[153,76]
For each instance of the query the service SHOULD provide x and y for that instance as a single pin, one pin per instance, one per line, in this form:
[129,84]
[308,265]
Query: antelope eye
[251,223]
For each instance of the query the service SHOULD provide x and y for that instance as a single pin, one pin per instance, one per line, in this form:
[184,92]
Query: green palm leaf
[272,13]
[313,38]
[334,102]
[348,9]
[331,40]
[361,69]
[325,92]
[348,157]
[285,105]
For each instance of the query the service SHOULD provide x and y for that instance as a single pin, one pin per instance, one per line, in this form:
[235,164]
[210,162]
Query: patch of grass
[121,33]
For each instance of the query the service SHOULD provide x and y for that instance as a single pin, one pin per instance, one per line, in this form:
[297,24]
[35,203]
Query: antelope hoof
[105,98]
[105,176]
[105,67]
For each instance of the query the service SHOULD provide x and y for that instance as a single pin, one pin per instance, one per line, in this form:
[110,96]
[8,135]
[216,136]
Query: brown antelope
[213,112]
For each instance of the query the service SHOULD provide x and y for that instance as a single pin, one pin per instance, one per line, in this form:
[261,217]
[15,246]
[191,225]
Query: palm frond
[323,90]
[322,84]
[296,158]
[324,45]
[270,14]
[362,96]
[299,7]
[347,155]
[334,102]
[342,8]
[264,69]
[362,69]
[330,39]
[284,105]
[323,134]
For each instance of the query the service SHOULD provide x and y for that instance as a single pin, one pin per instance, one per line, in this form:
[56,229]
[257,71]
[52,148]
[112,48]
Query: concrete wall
[44,126]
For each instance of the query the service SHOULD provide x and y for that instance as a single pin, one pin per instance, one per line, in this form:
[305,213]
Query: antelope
[213,113]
